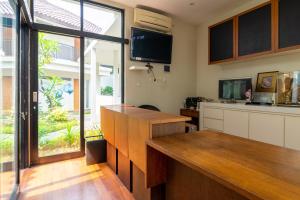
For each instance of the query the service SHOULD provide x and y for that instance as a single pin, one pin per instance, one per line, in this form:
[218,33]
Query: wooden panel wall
[185,183]
[159,130]
[111,157]
[121,133]
[7,93]
[124,170]
[138,134]
[108,125]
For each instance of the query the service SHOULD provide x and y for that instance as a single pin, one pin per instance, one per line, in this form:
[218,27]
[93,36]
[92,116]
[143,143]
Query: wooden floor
[7,180]
[74,180]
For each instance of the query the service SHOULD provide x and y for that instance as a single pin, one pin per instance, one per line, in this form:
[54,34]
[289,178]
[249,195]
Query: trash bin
[95,150]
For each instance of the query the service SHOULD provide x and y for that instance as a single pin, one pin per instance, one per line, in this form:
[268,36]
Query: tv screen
[150,46]
[234,88]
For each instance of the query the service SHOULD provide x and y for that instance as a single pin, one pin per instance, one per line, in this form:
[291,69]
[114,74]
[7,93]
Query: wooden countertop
[153,117]
[255,170]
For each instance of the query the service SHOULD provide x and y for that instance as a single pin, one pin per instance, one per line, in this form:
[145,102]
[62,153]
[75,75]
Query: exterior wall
[77,47]
[7,93]
[7,33]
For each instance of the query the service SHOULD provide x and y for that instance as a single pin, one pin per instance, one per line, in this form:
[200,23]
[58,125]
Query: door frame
[33,78]
[35,159]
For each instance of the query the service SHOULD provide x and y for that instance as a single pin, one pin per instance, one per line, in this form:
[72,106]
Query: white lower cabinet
[213,124]
[292,132]
[267,128]
[236,123]
[213,113]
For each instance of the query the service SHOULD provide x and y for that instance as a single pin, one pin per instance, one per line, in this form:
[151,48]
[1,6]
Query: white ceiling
[199,12]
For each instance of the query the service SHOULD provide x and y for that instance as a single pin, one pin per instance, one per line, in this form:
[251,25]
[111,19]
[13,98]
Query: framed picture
[266,82]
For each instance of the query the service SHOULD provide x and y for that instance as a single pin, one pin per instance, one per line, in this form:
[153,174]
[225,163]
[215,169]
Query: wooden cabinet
[271,27]
[221,41]
[108,125]
[121,133]
[267,128]
[255,31]
[236,123]
[194,114]
[138,133]
[289,24]
[292,132]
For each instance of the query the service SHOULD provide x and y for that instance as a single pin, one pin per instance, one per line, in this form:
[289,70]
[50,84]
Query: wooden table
[210,165]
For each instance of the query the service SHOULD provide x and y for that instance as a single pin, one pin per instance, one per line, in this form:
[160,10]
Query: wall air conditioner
[152,20]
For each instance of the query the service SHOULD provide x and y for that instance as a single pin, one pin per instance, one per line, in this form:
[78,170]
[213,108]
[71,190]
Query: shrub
[70,136]
[93,133]
[46,127]
[6,147]
[58,115]
[69,140]
[7,129]
[107,91]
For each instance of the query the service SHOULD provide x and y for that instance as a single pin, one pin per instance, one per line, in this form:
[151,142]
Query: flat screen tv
[234,89]
[150,46]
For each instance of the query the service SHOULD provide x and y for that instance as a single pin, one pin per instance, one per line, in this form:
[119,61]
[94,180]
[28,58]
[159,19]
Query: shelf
[138,68]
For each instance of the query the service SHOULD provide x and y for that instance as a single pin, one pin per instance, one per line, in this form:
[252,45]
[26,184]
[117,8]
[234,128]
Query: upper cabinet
[255,31]
[221,42]
[289,24]
[268,28]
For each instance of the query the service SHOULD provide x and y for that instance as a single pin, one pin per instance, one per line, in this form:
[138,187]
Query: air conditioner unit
[152,20]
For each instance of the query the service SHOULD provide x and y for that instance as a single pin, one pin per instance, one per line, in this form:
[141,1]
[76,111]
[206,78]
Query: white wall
[208,75]
[169,92]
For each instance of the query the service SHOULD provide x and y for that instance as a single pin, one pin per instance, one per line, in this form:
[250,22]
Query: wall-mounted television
[150,46]
[234,89]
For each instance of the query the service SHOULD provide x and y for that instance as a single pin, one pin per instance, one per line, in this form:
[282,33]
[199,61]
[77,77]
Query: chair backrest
[149,107]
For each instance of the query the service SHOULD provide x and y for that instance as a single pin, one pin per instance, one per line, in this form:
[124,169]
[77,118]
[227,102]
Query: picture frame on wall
[267,82]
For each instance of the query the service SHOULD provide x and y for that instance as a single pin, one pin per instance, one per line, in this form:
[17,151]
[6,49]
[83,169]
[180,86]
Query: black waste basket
[95,150]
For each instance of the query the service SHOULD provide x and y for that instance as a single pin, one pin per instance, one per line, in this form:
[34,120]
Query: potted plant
[95,146]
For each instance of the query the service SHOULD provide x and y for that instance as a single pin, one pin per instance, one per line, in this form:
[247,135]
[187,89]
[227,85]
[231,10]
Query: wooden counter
[126,129]
[227,167]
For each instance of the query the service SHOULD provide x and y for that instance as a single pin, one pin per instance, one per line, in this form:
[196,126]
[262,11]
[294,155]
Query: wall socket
[167,68]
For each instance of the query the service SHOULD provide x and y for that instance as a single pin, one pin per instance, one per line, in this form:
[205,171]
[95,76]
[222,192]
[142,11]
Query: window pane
[58,73]
[108,22]
[7,97]
[62,13]
[102,80]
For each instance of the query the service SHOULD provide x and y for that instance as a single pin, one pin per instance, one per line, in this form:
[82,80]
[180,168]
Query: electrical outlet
[167,68]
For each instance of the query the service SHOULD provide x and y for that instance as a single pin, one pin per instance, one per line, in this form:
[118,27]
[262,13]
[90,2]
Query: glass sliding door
[102,74]
[8,132]
[58,95]
[66,92]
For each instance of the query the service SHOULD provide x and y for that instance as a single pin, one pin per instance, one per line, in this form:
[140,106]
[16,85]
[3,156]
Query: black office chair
[149,107]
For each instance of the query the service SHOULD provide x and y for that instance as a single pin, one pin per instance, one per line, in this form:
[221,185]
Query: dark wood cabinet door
[221,41]
[255,31]
[289,23]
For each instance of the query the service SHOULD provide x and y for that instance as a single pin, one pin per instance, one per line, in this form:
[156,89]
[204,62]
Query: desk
[211,165]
